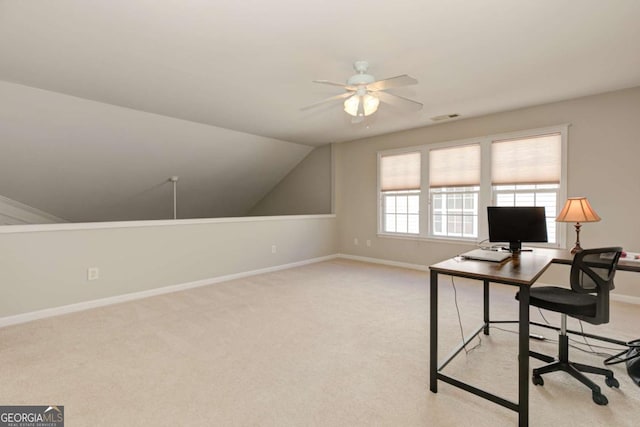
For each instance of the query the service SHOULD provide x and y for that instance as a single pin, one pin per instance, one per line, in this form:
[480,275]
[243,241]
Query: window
[454,185]
[400,190]
[455,211]
[527,172]
[402,212]
[462,178]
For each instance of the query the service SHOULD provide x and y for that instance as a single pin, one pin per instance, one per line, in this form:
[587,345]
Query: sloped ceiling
[85,161]
[200,67]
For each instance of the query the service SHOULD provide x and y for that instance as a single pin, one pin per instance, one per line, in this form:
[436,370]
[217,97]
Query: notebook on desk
[486,255]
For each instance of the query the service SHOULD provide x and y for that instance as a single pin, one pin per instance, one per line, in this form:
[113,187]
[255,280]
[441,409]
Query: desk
[520,272]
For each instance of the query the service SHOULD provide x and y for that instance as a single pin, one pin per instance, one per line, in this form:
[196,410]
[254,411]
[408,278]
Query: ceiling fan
[364,93]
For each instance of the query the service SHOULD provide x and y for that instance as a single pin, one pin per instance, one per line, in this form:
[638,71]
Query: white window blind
[400,172]
[535,160]
[455,166]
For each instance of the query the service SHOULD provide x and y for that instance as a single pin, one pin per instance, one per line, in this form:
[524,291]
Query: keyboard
[486,255]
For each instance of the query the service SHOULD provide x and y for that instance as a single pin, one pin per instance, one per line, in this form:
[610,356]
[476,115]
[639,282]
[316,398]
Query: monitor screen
[516,225]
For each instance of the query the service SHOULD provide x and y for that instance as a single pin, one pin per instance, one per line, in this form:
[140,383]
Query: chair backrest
[594,268]
[592,272]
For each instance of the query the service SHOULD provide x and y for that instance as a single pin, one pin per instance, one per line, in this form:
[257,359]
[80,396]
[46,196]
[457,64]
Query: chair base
[575,370]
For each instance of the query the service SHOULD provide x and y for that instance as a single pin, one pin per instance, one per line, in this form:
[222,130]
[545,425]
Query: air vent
[445,117]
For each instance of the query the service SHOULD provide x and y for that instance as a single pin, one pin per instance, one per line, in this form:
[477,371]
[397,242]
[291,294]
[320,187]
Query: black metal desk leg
[523,358]
[486,307]
[433,332]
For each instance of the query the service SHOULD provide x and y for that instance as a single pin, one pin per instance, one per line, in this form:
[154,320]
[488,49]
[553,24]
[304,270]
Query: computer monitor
[516,225]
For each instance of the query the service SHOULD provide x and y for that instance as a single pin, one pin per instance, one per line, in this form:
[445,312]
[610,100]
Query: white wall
[305,190]
[45,269]
[603,164]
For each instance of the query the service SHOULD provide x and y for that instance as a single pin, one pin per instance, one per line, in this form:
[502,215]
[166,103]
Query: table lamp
[577,209]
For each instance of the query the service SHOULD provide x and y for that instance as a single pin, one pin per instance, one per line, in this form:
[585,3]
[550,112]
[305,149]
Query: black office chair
[591,280]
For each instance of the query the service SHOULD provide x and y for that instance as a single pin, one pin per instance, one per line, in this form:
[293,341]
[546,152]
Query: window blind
[400,172]
[535,160]
[455,166]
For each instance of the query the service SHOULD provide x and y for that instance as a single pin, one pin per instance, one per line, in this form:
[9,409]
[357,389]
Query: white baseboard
[86,305]
[624,298]
[384,262]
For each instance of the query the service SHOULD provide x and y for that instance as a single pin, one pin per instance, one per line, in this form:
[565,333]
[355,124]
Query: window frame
[380,198]
[444,193]
[384,213]
[485,195]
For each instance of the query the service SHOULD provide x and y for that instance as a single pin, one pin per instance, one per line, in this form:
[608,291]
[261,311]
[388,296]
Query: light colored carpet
[337,343]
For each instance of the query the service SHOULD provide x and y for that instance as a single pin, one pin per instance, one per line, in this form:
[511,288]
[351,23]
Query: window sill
[428,239]
[454,241]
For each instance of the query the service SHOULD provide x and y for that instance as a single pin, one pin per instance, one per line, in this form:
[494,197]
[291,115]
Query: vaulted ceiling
[248,66]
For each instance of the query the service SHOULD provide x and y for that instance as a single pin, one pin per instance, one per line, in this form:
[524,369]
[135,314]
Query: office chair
[591,280]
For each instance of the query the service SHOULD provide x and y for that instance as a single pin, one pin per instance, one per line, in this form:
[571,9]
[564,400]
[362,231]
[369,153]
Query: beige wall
[603,164]
[305,190]
[46,269]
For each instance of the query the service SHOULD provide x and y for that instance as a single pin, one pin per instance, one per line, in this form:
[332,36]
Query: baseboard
[384,262]
[624,298]
[86,305]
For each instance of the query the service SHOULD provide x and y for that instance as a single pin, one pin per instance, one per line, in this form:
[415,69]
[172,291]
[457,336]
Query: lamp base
[577,247]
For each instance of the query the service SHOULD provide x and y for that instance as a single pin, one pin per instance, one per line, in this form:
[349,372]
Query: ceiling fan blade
[403,80]
[399,101]
[333,98]
[327,82]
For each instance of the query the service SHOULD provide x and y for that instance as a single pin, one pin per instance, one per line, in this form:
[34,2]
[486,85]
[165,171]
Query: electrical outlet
[355,241]
[93,273]
[369,243]
[274,249]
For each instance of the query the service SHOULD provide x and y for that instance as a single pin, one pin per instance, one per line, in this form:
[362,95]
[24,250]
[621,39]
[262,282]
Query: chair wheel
[600,398]
[537,380]
[612,382]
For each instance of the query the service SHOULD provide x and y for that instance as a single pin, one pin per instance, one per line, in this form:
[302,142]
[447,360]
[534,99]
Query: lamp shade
[577,209]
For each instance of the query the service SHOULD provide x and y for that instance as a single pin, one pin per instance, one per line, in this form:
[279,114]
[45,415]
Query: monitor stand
[515,247]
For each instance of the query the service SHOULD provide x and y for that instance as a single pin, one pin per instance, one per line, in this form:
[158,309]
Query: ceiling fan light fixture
[370,104]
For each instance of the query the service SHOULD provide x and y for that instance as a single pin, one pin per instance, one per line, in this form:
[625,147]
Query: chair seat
[562,300]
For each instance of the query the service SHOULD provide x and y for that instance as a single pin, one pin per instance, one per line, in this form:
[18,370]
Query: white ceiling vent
[445,117]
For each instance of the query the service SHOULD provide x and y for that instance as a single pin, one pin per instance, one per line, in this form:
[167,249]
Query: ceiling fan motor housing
[362,78]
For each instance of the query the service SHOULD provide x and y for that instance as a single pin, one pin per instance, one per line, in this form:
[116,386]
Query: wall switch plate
[93,273]
[355,240]
[274,249]
[369,243]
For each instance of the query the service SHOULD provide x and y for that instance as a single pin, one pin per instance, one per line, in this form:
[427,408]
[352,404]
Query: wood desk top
[564,256]
[522,270]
